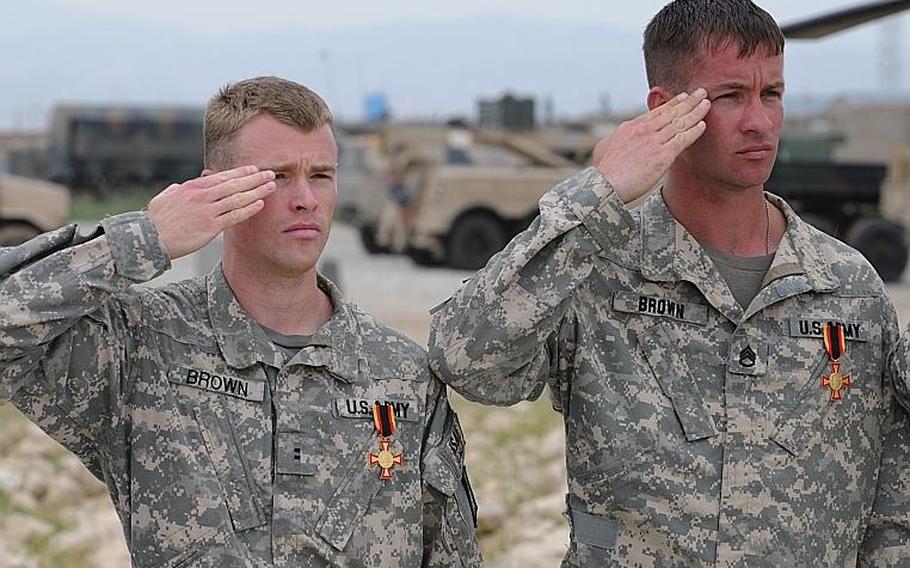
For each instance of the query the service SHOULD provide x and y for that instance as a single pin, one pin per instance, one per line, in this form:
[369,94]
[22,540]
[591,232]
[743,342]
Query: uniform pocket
[208,402]
[350,500]
[214,549]
[459,514]
[672,372]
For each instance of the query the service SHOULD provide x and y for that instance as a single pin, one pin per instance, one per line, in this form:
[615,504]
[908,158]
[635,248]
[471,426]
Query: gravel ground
[54,513]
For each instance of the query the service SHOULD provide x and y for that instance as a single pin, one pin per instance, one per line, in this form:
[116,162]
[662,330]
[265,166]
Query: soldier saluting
[704,427]
[250,417]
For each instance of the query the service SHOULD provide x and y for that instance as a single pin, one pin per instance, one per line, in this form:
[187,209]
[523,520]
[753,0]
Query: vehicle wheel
[16,233]
[474,239]
[368,238]
[821,223]
[329,268]
[882,243]
[422,257]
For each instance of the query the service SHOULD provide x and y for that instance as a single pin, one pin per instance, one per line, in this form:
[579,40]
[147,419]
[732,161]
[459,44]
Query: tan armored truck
[29,207]
[467,206]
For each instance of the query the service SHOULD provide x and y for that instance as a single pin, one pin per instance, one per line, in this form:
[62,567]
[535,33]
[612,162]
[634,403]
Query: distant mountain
[53,54]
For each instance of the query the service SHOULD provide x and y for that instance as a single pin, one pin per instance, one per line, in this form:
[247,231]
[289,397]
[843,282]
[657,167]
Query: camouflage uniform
[697,432]
[164,396]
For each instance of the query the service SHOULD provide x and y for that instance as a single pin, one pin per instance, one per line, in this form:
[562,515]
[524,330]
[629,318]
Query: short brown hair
[683,28]
[234,106]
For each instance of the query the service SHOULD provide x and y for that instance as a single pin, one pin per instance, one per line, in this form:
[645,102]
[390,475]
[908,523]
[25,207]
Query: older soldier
[251,417]
[720,365]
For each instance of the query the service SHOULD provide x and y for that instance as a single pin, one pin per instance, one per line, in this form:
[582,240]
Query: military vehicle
[100,148]
[865,205]
[451,195]
[361,175]
[471,196]
[29,207]
[386,182]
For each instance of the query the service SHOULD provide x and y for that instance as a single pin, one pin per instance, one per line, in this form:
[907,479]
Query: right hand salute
[640,151]
[190,214]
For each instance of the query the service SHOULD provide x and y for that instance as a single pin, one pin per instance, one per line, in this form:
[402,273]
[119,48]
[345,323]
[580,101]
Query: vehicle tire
[368,238]
[820,222]
[882,243]
[422,257]
[13,234]
[474,239]
[329,268]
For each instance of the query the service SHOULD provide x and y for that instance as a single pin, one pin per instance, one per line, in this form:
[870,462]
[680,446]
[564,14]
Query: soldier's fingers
[212,180]
[244,198]
[684,122]
[661,120]
[686,138]
[237,216]
[659,116]
[667,107]
[237,185]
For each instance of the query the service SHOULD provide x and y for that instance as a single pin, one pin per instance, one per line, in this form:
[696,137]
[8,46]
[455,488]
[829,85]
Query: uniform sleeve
[449,509]
[63,331]
[899,365]
[489,341]
[887,539]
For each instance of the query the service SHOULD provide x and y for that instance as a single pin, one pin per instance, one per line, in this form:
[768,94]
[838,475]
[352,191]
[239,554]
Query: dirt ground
[54,513]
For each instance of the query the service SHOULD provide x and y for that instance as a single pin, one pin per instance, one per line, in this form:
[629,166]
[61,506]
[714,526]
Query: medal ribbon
[384,419]
[835,340]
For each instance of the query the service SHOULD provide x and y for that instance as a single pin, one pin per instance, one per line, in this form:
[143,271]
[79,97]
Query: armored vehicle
[29,207]
[468,202]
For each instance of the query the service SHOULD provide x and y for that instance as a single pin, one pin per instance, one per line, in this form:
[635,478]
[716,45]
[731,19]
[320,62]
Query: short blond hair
[236,104]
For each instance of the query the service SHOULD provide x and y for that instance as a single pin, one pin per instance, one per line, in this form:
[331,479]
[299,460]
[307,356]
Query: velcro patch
[811,327]
[405,410]
[661,307]
[247,389]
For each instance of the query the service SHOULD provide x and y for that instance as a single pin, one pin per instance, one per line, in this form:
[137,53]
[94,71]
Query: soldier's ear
[658,96]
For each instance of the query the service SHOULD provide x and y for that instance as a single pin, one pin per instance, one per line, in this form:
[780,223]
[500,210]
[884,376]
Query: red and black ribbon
[835,340]
[384,419]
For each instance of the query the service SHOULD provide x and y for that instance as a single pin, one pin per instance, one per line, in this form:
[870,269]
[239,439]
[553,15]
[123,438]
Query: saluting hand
[190,214]
[640,151]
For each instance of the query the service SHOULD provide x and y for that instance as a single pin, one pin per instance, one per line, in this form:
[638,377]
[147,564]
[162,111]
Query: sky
[226,17]
[431,59]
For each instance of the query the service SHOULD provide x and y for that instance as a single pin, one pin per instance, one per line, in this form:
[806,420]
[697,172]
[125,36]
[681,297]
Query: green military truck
[101,148]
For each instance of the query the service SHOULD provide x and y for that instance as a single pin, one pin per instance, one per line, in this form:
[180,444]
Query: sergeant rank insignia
[835,345]
[384,420]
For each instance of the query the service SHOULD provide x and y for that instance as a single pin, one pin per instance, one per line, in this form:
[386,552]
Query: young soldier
[251,417]
[721,366]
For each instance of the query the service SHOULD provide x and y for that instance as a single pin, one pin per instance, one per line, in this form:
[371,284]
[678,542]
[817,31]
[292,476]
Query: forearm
[51,283]
[489,341]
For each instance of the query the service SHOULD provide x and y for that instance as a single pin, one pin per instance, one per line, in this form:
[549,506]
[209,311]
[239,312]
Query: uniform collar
[670,253]
[337,345]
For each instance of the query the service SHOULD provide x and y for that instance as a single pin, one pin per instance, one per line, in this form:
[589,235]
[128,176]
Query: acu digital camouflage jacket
[698,432]
[164,396]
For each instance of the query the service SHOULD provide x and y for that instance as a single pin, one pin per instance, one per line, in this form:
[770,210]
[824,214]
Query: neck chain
[767,228]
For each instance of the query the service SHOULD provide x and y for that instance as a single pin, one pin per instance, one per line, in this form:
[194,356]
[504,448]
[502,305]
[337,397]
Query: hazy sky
[220,17]
[432,59]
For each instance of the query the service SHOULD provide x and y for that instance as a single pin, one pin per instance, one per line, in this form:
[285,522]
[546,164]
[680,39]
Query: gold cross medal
[386,459]
[835,345]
